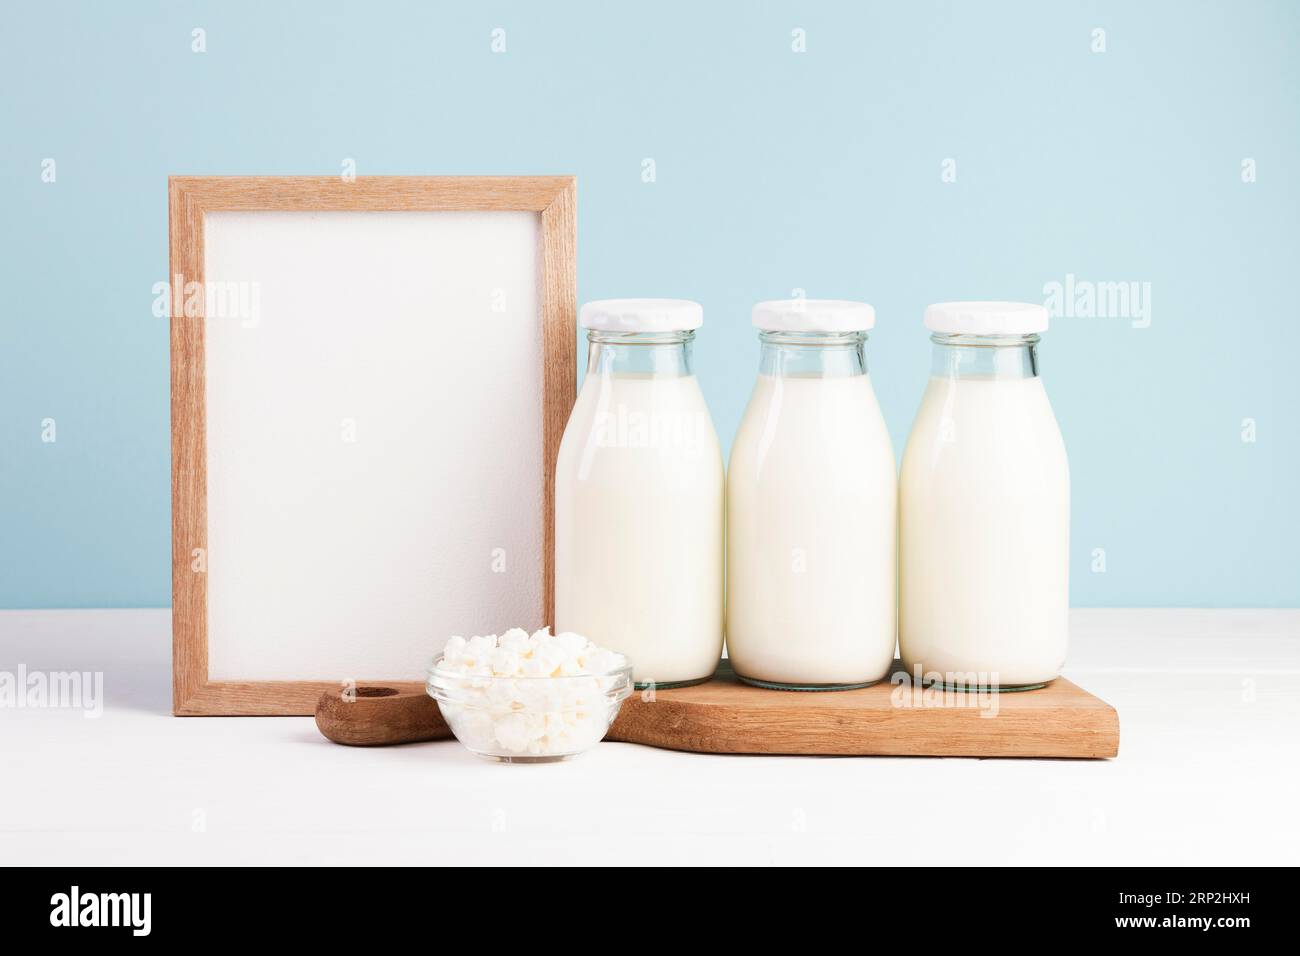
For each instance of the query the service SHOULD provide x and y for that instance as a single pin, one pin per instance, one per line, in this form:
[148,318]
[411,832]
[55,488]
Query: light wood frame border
[189,199]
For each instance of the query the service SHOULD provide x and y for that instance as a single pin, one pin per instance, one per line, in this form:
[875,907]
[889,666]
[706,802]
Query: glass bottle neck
[813,354]
[639,353]
[984,356]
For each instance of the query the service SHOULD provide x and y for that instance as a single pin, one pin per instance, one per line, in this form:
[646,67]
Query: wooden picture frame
[191,201]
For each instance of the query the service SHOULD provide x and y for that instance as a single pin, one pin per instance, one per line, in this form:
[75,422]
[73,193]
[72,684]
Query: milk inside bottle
[811,507]
[984,507]
[639,497]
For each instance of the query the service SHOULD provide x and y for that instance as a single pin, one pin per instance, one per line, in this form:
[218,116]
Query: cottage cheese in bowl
[528,698]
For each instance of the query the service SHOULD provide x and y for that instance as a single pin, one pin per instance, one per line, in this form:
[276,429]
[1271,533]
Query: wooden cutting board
[727,717]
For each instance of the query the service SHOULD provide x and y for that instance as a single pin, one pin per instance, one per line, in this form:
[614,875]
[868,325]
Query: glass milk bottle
[639,496]
[984,508]
[811,507]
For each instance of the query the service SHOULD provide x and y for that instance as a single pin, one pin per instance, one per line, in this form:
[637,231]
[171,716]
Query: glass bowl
[529,719]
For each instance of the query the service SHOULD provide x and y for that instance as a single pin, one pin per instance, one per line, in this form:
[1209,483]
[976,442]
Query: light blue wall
[776,170]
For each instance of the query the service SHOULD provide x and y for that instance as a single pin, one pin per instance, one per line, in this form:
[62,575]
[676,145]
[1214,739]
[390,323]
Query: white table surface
[1209,705]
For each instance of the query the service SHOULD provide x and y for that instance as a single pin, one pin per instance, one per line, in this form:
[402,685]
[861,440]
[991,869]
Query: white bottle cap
[642,315]
[986,318]
[813,315]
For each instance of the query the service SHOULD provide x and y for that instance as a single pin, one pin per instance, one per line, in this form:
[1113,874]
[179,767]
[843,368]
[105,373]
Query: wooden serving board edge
[1061,720]
[727,717]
